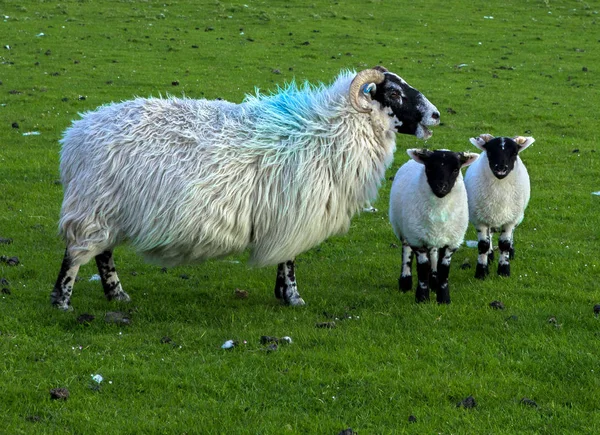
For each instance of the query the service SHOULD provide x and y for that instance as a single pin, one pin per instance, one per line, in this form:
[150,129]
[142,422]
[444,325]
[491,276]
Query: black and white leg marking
[483,246]
[285,285]
[443,293]
[423,271]
[405,280]
[505,246]
[61,295]
[108,276]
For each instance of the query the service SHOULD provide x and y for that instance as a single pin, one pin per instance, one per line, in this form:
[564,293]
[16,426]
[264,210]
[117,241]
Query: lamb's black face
[502,154]
[442,169]
[412,110]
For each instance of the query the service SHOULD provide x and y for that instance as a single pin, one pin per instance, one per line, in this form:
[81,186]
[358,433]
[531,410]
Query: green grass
[530,70]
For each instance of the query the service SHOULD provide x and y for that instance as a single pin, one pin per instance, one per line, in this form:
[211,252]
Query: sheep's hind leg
[108,276]
[61,295]
[483,246]
[423,271]
[443,293]
[405,280]
[285,285]
[505,243]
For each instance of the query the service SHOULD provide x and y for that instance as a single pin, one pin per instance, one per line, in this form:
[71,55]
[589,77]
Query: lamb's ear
[480,141]
[419,155]
[523,141]
[467,158]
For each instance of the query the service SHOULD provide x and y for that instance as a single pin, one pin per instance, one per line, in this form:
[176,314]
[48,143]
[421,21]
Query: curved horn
[362,78]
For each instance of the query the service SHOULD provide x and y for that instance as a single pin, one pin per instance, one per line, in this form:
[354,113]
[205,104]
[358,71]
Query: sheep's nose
[435,115]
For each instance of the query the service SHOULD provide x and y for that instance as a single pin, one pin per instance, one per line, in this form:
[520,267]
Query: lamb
[429,214]
[498,189]
[185,180]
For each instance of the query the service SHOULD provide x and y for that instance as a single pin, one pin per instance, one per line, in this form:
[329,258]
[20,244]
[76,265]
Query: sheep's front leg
[483,246]
[423,271]
[285,285]
[61,295]
[108,276]
[433,275]
[405,280]
[505,243]
[443,293]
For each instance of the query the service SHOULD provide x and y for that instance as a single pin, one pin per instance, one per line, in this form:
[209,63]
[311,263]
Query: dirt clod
[529,402]
[497,305]
[467,403]
[329,325]
[348,431]
[59,394]
[33,418]
[241,294]
[117,317]
[465,264]
[15,125]
[597,309]
[10,261]
[5,241]
[86,318]
[412,419]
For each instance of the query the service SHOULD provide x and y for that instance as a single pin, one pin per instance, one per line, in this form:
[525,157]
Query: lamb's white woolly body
[184,180]
[495,202]
[423,219]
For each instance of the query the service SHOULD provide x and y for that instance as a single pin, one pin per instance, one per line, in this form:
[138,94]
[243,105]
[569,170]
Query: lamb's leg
[483,246]
[285,285]
[511,252]
[433,275]
[423,271]
[61,295]
[491,255]
[443,294]
[405,280]
[108,276]
[504,246]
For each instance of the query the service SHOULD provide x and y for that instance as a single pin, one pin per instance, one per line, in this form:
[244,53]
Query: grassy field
[503,67]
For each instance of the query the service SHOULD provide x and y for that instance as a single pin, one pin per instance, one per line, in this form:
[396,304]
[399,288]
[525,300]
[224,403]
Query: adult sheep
[185,180]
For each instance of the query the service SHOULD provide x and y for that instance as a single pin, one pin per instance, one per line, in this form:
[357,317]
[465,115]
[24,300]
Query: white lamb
[498,189]
[429,214]
[184,180]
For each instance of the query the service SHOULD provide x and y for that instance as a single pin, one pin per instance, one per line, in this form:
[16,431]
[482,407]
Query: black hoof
[443,295]
[405,283]
[511,253]
[481,271]
[491,256]
[504,269]
[422,295]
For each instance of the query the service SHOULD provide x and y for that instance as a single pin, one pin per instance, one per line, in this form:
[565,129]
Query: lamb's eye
[395,95]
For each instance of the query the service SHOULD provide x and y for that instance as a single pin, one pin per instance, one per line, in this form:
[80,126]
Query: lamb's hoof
[504,270]
[405,283]
[443,295]
[481,271]
[511,254]
[422,295]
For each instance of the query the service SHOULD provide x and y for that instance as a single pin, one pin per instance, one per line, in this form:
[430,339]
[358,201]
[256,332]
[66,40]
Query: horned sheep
[184,180]
[498,188]
[429,214]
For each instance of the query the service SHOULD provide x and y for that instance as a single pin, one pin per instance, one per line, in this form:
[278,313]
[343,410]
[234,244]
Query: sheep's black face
[502,154]
[412,110]
[442,169]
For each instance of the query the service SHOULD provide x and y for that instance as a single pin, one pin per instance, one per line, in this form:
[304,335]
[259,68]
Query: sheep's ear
[380,68]
[369,89]
[480,141]
[419,155]
[467,158]
[523,142]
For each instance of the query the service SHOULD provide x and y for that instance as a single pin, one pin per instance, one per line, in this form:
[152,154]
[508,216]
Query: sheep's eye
[395,95]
